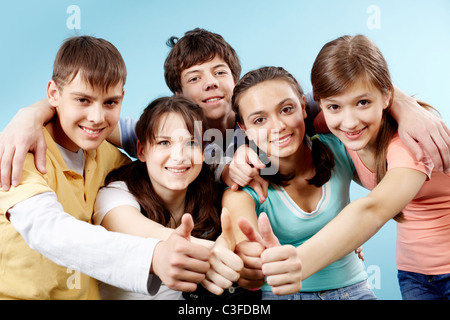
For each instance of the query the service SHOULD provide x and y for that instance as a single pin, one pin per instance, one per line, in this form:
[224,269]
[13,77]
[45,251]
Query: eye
[221,73]
[111,103]
[259,121]
[163,143]
[82,101]
[333,107]
[193,79]
[192,143]
[363,103]
[287,109]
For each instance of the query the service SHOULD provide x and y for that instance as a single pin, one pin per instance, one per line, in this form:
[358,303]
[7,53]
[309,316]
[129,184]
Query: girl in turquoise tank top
[309,188]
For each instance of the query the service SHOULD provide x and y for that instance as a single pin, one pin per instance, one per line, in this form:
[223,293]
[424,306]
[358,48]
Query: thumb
[249,231]
[265,229]
[185,228]
[227,229]
[40,156]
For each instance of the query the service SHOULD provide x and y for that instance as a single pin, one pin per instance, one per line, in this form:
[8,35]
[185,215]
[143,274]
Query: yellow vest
[26,274]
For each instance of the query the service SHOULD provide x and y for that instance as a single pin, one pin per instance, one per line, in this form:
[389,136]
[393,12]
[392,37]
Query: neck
[175,202]
[222,124]
[59,136]
[300,162]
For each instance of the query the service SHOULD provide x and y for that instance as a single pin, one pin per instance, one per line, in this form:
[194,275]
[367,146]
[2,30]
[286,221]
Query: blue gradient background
[413,35]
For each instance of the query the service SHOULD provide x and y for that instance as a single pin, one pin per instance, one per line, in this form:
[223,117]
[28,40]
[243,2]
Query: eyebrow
[366,94]
[282,102]
[82,94]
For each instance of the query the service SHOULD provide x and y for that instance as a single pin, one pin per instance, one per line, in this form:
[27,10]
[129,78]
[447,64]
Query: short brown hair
[97,60]
[195,47]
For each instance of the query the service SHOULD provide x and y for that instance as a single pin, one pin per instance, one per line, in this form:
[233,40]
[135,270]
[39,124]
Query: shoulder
[341,156]
[399,156]
[110,155]
[111,196]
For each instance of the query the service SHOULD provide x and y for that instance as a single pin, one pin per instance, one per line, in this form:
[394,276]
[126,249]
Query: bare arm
[360,220]
[23,134]
[239,204]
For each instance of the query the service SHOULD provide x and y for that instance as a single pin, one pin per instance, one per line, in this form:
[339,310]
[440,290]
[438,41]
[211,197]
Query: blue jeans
[357,291]
[417,286]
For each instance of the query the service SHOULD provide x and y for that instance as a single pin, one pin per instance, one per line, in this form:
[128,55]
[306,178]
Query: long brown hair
[202,197]
[323,158]
[344,61]
[349,59]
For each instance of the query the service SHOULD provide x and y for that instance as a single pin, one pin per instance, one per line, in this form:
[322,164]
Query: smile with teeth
[353,133]
[213,99]
[281,141]
[91,131]
[177,170]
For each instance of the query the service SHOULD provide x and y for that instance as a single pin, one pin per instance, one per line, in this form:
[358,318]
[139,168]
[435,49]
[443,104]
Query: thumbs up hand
[179,263]
[280,264]
[225,264]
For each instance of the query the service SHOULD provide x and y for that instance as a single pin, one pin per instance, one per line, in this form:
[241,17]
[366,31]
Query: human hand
[21,135]
[225,264]
[244,170]
[359,252]
[250,251]
[280,264]
[423,132]
[179,263]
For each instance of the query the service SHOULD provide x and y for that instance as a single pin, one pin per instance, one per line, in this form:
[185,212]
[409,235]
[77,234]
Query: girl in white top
[149,196]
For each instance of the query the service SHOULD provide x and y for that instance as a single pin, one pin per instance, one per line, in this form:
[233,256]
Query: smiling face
[86,115]
[210,85]
[355,115]
[273,117]
[175,158]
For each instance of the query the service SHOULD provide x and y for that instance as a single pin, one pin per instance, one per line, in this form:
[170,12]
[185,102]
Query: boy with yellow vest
[51,213]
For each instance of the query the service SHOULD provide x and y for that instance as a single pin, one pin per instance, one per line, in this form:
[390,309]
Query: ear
[303,102]
[241,126]
[140,151]
[387,98]
[53,93]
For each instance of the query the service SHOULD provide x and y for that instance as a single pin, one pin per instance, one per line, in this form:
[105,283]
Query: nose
[96,114]
[278,124]
[210,82]
[349,119]
[178,153]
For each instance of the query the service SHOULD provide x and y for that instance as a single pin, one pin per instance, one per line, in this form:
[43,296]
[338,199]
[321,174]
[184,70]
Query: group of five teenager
[292,233]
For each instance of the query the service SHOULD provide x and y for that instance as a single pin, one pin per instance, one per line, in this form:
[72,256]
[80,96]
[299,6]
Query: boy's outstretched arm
[179,263]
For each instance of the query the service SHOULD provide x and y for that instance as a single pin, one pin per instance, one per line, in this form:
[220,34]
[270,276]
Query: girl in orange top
[351,82]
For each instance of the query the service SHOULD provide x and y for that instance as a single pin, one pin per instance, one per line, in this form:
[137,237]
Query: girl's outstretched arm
[360,220]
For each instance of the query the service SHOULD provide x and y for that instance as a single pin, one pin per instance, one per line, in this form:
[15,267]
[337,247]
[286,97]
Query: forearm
[354,225]
[401,103]
[118,259]
[240,205]
[37,114]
